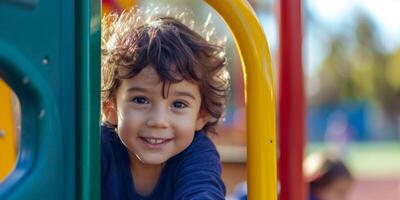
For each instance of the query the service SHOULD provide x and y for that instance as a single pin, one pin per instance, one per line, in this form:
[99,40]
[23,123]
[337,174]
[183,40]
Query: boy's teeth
[154,141]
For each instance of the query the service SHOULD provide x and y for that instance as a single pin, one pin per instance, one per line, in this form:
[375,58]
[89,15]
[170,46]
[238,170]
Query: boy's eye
[140,100]
[179,104]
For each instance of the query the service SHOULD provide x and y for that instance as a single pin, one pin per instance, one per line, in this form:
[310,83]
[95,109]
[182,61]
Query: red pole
[291,102]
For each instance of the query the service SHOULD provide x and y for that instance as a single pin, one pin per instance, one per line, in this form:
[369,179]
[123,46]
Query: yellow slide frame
[259,96]
[8,150]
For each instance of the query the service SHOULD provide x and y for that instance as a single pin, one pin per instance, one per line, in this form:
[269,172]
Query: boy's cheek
[128,113]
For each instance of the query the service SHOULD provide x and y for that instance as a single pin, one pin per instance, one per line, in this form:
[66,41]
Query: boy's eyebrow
[184,93]
[138,89]
[176,93]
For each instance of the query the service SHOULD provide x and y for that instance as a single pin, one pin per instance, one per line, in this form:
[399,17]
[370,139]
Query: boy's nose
[158,118]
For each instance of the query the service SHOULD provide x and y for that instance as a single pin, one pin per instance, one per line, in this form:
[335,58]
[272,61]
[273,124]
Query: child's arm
[199,173]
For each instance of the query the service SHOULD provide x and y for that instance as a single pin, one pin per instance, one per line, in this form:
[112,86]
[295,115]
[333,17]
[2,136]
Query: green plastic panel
[50,56]
[88,58]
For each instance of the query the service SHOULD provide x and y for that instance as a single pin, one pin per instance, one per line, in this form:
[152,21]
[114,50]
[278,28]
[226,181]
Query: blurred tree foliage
[357,68]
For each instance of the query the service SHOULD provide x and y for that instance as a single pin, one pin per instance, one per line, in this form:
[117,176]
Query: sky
[384,12]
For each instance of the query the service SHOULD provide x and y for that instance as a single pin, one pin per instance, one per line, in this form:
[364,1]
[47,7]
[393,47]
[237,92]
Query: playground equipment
[260,102]
[291,102]
[8,151]
[55,71]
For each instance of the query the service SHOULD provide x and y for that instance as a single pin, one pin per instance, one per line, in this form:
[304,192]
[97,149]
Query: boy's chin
[153,160]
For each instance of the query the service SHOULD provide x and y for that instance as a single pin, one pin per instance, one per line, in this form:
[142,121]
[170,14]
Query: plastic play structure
[50,57]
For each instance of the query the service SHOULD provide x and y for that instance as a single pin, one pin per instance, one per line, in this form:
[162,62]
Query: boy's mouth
[155,141]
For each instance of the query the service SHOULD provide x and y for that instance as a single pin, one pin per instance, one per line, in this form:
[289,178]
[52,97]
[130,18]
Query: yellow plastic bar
[8,151]
[259,95]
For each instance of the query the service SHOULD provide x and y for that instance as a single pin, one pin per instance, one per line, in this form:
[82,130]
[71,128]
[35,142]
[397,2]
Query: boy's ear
[110,112]
[202,120]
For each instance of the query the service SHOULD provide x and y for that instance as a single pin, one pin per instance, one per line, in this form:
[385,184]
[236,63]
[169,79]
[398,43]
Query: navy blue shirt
[312,197]
[195,173]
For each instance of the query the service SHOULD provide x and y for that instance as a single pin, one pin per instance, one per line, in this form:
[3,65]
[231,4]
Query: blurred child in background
[328,177]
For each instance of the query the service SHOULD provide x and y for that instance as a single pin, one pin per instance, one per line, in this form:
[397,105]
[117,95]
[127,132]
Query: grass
[369,159]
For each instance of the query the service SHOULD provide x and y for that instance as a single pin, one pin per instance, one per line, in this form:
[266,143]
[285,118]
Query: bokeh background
[351,54]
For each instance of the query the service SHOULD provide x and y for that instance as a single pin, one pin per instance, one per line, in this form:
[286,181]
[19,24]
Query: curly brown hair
[131,42]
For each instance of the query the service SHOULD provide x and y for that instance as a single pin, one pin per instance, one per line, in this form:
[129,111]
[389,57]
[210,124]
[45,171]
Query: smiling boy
[164,88]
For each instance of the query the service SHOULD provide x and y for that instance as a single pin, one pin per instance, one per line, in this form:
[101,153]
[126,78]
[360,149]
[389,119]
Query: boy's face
[151,127]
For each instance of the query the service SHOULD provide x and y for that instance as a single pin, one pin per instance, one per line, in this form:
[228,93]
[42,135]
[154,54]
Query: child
[328,177]
[164,88]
